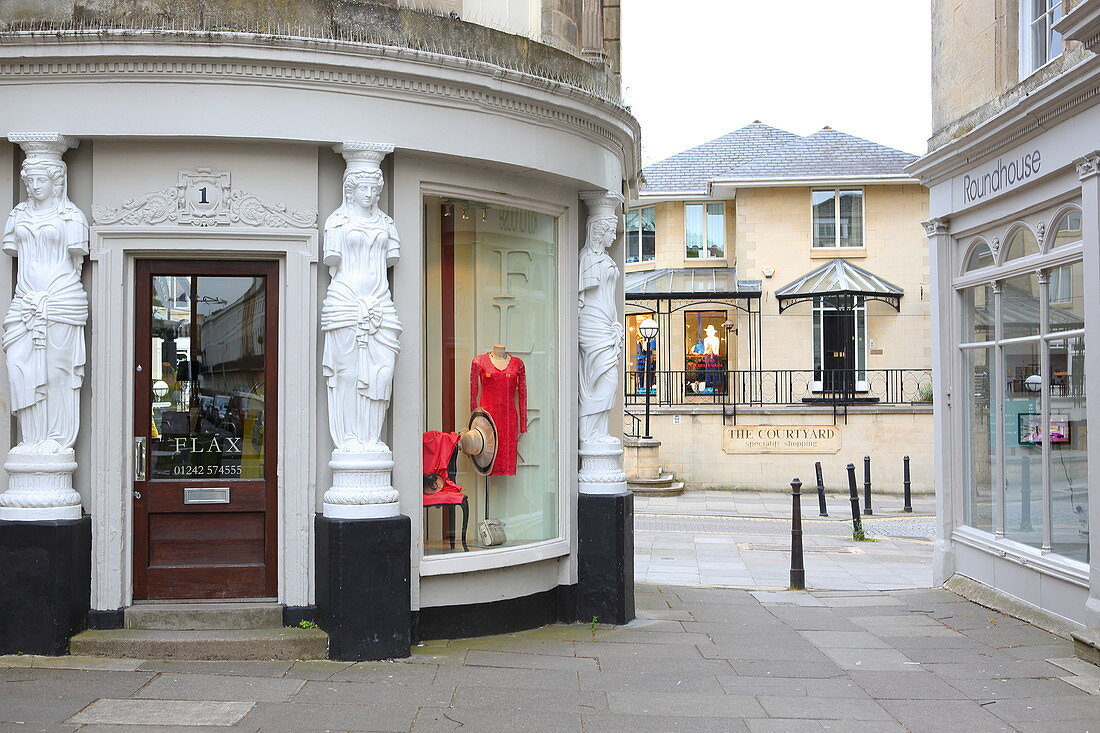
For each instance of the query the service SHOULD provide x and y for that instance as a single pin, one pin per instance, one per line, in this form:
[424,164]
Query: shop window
[980,257]
[705,230]
[1039,42]
[641,234]
[979,420]
[1068,430]
[840,344]
[1020,307]
[1022,442]
[1021,244]
[705,352]
[642,358]
[1067,230]
[979,316]
[837,218]
[491,283]
[1066,298]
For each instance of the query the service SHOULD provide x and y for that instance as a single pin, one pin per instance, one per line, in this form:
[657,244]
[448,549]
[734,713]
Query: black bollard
[906,485]
[1025,493]
[821,508]
[798,570]
[867,485]
[853,495]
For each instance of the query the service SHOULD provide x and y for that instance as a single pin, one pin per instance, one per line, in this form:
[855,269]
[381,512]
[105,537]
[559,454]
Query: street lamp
[648,329]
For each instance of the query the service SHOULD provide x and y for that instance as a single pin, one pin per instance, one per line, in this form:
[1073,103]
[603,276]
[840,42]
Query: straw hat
[479,441]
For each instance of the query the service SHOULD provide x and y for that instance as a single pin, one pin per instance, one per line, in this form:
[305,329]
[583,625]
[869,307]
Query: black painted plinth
[605,558]
[363,586]
[45,584]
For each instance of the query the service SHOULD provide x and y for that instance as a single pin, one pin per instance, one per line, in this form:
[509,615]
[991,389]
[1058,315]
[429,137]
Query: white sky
[694,70]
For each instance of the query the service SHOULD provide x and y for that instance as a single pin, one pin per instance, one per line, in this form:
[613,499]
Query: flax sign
[781,439]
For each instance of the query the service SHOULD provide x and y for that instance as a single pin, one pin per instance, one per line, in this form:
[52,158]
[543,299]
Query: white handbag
[491,532]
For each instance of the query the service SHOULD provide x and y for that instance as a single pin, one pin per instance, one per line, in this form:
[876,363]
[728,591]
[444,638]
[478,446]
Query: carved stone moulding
[602,203]
[40,487]
[43,144]
[601,469]
[361,487]
[203,197]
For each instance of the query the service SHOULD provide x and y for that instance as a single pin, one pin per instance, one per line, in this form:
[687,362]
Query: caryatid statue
[600,332]
[44,334]
[361,332]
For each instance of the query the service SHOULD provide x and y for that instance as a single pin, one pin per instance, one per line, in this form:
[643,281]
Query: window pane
[716,230]
[633,236]
[1069,489]
[648,224]
[704,352]
[980,430]
[1067,230]
[978,314]
[980,257]
[641,357]
[824,210]
[1064,293]
[818,306]
[1020,306]
[851,218]
[1021,244]
[1022,444]
[693,230]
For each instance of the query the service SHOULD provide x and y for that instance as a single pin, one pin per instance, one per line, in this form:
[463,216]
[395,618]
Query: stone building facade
[740,220]
[1012,172]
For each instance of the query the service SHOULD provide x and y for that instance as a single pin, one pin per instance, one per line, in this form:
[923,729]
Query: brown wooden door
[205,411]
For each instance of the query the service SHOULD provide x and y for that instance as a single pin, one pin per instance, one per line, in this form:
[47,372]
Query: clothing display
[438,449]
[712,372]
[503,394]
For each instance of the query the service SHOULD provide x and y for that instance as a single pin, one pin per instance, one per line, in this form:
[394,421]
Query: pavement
[743,539]
[696,659]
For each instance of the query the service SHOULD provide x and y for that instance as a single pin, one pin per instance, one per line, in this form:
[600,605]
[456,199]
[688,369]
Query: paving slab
[684,704]
[944,716]
[437,720]
[163,712]
[822,708]
[219,687]
[316,717]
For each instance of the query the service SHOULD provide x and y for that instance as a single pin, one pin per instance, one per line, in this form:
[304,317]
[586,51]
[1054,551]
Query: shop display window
[491,376]
[642,360]
[705,352]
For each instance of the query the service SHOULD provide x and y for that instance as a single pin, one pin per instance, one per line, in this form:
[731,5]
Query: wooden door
[839,342]
[205,407]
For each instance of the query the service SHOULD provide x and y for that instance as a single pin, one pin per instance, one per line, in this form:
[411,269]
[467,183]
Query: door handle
[139,459]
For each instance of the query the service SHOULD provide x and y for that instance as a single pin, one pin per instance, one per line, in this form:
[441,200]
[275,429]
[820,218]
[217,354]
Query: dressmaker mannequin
[499,355]
[711,344]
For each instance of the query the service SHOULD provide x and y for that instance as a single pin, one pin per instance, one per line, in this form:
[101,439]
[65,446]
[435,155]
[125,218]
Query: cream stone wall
[693,450]
[774,230]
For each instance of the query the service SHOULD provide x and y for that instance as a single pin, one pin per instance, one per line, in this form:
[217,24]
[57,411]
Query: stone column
[592,49]
[45,543]
[1088,168]
[605,507]
[944,366]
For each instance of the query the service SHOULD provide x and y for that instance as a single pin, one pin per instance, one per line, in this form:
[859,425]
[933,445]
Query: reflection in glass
[641,231]
[979,314]
[824,208]
[1021,244]
[980,257]
[851,219]
[1067,230]
[207,377]
[1069,486]
[693,230]
[1066,296]
[705,355]
[980,430]
[1020,307]
[1022,443]
[716,230]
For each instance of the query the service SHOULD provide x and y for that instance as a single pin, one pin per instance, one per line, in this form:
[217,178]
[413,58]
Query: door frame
[144,270]
[107,465]
[818,309]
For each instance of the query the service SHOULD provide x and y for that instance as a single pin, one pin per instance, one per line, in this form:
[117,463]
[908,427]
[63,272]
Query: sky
[711,66]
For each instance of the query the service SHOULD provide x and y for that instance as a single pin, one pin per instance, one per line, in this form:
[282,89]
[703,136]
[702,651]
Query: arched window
[1067,230]
[980,257]
[1021,244]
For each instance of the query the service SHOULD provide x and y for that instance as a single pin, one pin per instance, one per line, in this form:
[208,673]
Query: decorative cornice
[1089,165]
[363,155]
[48,145]
[937,226]
[602,203]
[203,197]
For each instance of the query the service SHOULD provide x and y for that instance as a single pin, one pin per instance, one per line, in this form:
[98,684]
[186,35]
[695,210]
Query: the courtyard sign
[1003,175]
[781,439]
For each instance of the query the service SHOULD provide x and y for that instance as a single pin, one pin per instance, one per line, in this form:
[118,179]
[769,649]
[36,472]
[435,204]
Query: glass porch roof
[838,277]
[690,282]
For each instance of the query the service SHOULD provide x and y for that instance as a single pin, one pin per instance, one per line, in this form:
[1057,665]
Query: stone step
[1086,644]
[200,616]
[214,644]
[665,479]
[667,485]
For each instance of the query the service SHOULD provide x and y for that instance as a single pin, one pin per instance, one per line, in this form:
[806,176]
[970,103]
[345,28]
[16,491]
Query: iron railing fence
[778,387]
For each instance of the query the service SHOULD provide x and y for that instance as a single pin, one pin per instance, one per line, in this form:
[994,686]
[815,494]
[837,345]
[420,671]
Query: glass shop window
[705,352]
[641,234]
[490,366]
[642,359]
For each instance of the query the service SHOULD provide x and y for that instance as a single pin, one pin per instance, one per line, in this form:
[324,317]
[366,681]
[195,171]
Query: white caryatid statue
[44,335]
[361,330]
[600,332]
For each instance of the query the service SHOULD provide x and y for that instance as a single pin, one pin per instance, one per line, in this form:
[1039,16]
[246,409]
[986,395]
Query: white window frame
[704,254]
[836,218]
[859,312]
[638,232]
[1034,13]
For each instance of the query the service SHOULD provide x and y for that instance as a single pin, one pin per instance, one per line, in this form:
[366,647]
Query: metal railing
[632,425]
[779,387]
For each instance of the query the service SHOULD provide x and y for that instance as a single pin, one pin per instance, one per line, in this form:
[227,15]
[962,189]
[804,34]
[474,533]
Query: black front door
[839,344]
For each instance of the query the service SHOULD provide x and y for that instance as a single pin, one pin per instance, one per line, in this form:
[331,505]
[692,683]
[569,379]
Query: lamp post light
[648,329]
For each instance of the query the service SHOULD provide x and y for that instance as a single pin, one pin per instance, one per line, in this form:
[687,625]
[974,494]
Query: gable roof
[762,152]
[689,171]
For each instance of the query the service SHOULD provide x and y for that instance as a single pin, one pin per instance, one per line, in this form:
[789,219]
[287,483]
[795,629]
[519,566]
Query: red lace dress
[503,394]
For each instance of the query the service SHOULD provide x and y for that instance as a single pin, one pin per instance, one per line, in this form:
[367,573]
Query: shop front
[324,357]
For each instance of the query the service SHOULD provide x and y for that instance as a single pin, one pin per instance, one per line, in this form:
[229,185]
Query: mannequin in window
[712,347]
[498,383]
